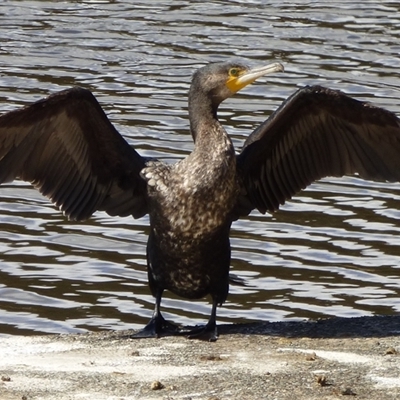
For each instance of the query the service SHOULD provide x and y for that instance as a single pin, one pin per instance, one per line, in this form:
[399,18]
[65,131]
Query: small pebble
[311,357]
[156,385]
[391,350]
[321,380]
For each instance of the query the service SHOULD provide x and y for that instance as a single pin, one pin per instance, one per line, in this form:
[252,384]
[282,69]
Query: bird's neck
[202,114]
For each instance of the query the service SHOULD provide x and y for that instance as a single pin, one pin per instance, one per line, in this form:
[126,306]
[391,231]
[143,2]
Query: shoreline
[324,359]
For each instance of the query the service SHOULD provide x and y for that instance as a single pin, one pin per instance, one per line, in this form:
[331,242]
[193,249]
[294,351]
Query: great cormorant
[68,149]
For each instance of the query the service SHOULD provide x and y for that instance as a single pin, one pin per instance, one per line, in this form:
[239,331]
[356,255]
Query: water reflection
[331,251]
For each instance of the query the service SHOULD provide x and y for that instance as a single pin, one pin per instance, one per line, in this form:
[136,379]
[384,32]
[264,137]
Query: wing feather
[69,150]
[317,132]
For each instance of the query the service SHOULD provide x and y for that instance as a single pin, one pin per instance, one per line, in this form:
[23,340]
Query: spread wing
[69,150]
[317,132]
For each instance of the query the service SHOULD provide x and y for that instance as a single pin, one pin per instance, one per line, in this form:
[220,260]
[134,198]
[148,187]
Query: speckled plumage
[190,206]
[190,203]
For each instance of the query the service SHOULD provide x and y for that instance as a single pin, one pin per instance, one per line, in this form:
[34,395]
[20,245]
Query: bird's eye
[234,72]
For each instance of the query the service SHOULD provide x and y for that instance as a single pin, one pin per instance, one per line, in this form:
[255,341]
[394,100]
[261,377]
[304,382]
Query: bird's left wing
[69,150]
[317,132]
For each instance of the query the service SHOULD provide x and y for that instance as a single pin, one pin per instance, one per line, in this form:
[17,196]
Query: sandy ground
[326,359]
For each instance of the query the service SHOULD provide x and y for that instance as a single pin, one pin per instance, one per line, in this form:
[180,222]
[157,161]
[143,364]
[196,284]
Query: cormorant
[68,149]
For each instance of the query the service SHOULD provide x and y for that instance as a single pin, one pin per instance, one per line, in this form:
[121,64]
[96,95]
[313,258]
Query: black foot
[207,333]
[157,327]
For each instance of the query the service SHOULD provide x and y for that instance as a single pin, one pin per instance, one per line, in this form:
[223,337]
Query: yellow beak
[236,83]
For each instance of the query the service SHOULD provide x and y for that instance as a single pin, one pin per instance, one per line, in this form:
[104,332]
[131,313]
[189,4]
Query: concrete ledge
[326,359]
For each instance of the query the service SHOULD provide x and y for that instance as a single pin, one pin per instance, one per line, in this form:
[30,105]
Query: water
[332,250]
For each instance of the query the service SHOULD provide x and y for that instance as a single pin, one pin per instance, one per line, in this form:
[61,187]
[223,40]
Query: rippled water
[333,250]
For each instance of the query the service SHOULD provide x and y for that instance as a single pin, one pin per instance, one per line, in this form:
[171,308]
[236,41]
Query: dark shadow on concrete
[360,327]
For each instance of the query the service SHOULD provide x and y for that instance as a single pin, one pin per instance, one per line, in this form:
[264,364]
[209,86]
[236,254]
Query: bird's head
[218,81]
[214,83]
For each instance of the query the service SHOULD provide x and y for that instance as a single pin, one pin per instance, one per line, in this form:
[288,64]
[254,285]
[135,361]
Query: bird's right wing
[317,132]
[69,150]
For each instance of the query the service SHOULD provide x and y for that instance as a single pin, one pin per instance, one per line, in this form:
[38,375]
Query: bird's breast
[193,197]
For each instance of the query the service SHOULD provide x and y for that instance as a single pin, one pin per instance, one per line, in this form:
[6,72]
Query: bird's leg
[157,326]
[209,331]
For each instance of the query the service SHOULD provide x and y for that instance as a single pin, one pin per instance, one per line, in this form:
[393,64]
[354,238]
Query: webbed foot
[207,333]
[157,327]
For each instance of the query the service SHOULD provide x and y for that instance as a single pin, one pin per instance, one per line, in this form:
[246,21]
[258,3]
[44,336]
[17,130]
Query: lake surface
[334,250]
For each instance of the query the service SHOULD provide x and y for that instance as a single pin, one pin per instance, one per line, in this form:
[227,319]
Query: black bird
[68,149]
